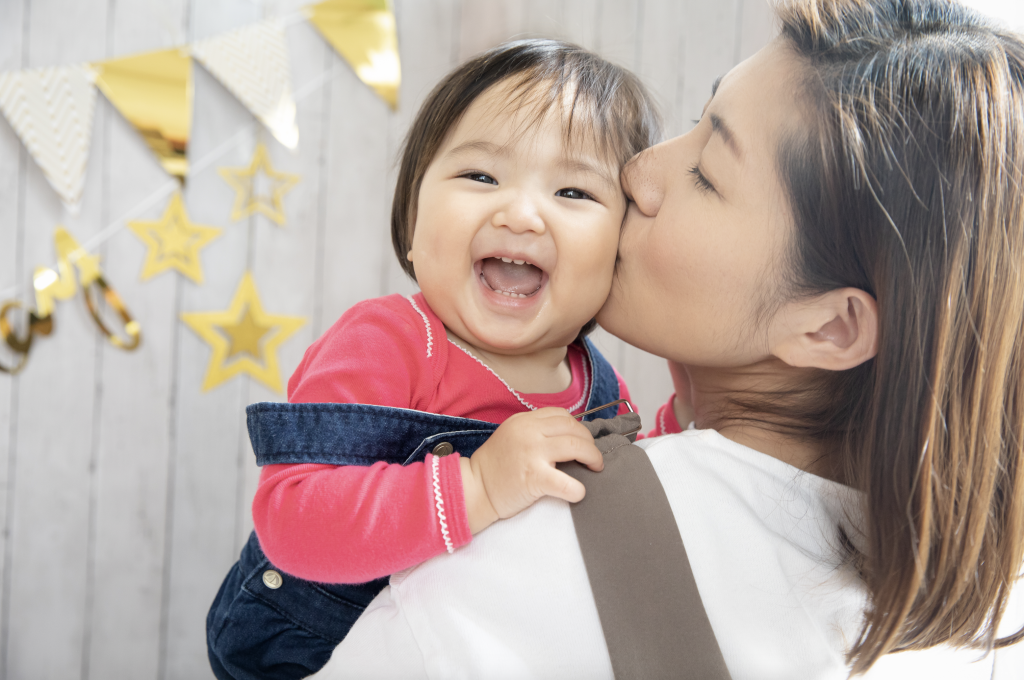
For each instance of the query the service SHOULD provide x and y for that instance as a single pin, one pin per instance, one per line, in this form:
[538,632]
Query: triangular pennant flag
[154,92]
[363,32]
[51,110]
[252,62]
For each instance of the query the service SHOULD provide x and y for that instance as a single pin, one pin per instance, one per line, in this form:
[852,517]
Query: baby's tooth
[519,261]
[506,259]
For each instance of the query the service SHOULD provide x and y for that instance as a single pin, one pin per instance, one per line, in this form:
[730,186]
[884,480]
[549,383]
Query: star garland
[245,181]
[174,242]
[243,338]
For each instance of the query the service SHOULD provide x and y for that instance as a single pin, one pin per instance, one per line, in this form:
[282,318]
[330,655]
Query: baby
[416,422]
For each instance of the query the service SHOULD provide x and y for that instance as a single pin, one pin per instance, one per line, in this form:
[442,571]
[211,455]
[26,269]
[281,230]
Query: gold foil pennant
[154,92]
[364,33]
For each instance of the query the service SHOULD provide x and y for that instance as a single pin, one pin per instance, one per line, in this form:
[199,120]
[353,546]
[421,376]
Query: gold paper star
[244,331]
[247,199]
[174,242]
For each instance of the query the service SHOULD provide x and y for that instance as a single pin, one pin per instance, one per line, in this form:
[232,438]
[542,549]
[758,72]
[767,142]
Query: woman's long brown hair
[909,186]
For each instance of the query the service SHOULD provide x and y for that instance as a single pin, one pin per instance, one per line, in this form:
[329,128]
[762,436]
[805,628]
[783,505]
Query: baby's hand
[516,466]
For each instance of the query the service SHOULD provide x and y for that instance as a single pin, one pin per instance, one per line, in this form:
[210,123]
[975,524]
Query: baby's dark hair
[604,100]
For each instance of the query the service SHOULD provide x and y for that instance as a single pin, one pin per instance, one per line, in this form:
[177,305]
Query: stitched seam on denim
[514,393]
[439,504]
[405,414]
[426,322]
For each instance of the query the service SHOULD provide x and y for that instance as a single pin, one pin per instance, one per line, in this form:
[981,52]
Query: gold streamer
[154,92]
[364,33]
[51,286]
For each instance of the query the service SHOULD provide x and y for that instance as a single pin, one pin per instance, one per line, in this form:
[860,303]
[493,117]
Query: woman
[831,262]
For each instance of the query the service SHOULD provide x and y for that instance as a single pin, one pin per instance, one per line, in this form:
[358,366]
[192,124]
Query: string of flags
[51,109]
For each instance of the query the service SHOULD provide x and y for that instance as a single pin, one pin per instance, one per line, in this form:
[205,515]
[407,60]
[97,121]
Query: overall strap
[604,386]
[650,609]
[356,434]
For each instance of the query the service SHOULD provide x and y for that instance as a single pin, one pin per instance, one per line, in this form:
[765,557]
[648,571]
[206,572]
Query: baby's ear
[834,331]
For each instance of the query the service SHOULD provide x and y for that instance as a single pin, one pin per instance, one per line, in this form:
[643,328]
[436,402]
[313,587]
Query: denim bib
[265,623]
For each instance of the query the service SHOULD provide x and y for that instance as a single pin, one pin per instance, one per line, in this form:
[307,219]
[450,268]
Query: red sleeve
[376,353]
[351,524]
[665,422]
[623,394]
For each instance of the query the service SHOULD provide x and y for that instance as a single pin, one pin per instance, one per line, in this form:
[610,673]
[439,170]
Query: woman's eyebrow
[718,125]
[714,85]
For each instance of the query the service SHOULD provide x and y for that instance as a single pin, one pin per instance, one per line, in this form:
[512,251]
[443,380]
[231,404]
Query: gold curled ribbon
[61,284]
[21,345]
[131,327]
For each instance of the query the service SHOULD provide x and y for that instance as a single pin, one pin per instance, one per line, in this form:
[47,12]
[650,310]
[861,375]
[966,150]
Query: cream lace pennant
[252,63]
[51,109]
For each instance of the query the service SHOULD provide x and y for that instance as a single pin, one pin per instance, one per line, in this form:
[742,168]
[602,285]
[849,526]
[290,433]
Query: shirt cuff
[667,423]
[449,501]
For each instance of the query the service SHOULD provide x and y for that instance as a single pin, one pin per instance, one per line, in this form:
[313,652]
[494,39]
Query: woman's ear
[835,331]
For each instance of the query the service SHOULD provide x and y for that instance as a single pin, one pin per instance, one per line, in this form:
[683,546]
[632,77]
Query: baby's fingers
[578,448]
[560,485]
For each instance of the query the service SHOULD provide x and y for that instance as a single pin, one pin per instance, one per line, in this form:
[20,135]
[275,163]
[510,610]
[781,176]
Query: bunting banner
[51,110]
[252,63]
[153,91]
[364,33]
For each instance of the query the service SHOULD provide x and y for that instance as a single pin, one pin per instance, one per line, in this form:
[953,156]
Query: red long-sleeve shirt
[351,524]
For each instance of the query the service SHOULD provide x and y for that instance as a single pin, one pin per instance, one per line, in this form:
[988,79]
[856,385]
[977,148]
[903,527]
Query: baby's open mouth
[514,278]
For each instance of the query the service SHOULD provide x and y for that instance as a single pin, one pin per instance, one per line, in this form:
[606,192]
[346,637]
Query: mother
[832,261]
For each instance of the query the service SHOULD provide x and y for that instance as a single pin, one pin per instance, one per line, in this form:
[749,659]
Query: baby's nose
[520,214]
[641,182]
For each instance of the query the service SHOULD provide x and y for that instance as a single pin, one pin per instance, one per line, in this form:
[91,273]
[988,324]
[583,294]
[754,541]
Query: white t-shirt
[763,544]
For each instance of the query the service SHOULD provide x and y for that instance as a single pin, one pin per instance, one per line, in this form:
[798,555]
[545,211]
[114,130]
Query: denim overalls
[266,624]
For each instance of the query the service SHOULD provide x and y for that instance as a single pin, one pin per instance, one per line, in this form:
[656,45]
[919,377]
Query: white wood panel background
[125,490]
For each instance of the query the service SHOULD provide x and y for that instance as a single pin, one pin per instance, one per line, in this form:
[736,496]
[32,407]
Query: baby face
[515,232]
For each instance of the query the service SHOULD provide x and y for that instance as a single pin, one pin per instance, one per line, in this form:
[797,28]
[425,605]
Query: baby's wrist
[479,510]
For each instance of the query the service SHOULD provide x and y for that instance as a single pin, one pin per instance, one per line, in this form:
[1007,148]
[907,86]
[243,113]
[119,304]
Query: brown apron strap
[653,619]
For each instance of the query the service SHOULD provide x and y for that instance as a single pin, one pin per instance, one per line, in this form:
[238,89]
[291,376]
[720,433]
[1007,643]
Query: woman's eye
[573,193]
[703,185]
[480,177]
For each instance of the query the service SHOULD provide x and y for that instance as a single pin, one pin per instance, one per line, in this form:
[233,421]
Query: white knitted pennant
[252,62]
[51,109]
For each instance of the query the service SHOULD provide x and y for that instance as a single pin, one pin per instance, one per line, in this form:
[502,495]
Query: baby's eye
[480,177]
[573,193]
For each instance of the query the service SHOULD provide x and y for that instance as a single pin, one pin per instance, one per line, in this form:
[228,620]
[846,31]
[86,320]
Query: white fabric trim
[426,322]
[439,504]
[509,387]
[661,419]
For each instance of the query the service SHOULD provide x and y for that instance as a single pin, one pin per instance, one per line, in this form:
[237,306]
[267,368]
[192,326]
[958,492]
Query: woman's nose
[642,182]
[520,214]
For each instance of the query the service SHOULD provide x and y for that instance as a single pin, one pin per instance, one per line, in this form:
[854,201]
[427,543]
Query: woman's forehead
[757,102]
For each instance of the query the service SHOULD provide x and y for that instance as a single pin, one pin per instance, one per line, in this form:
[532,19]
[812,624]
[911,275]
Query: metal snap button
[272,579]
[443,449]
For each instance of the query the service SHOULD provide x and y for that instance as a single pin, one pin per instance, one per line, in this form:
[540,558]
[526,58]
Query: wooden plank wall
[124,490]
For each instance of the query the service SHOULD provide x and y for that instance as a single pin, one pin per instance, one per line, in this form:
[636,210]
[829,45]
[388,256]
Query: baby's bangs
[604,106]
